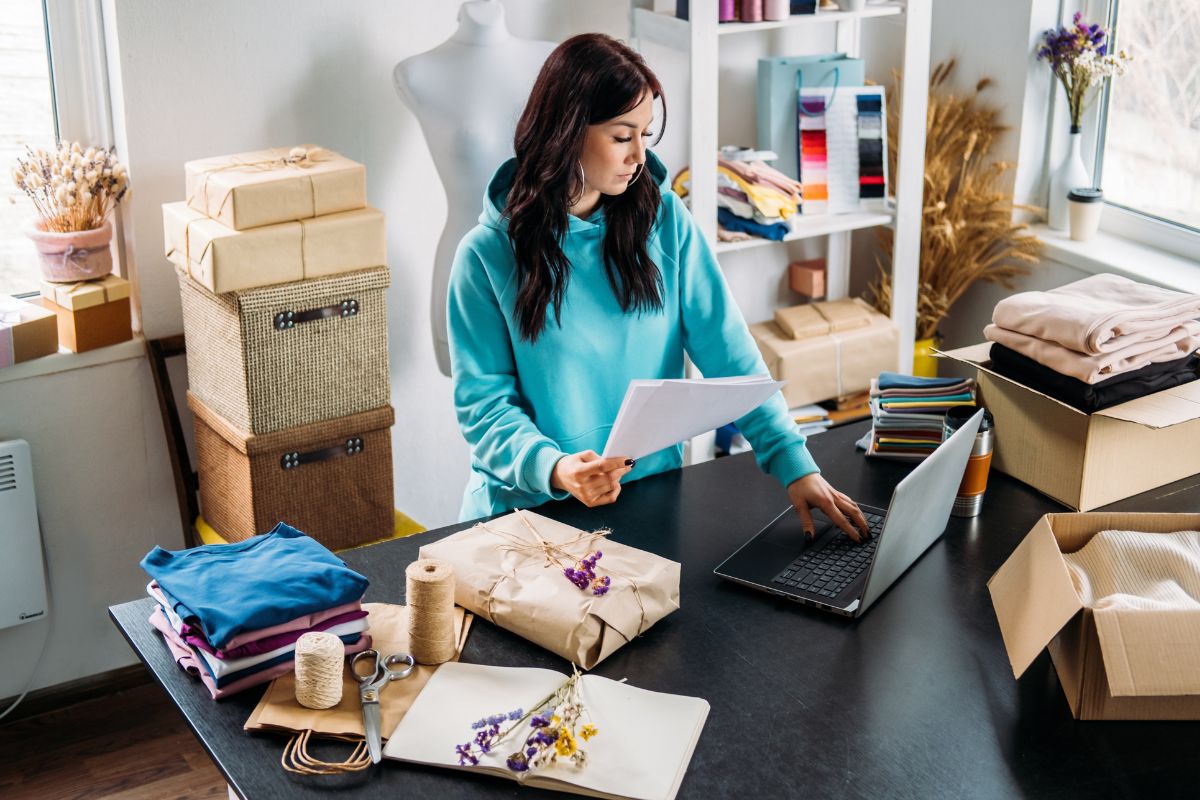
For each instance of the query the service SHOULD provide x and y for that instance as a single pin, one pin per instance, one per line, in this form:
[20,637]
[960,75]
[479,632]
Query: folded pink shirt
[1184,339]
[189,661]
[251,643]
[1098,314]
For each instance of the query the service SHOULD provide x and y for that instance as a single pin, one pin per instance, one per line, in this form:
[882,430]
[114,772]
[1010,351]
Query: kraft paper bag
[388,626]
[510,572]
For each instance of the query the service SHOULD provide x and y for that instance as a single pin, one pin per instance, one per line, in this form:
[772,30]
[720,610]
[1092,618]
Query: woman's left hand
[813,491]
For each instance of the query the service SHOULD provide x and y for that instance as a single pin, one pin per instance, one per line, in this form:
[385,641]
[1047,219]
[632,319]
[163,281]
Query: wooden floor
[132,745]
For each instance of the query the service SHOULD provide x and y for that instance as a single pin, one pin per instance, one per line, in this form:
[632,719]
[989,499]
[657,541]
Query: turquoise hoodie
[522,406]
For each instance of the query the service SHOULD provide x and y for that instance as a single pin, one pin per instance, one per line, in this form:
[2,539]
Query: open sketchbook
[642,750]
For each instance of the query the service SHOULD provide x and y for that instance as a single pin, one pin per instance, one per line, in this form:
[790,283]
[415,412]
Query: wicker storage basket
[332,479]
[276,357]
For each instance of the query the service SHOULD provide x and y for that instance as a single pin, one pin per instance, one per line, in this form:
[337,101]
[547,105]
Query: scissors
[369,687]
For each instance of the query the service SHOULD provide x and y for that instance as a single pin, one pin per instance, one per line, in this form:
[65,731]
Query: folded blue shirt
[227,589]
[894,380]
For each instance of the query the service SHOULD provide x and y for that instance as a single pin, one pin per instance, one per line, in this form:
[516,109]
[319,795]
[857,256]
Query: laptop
[834,573]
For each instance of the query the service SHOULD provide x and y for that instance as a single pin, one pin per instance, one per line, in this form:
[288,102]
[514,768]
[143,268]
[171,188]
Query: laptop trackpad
[788,532]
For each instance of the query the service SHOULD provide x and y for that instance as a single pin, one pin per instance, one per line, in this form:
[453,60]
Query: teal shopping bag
[778,81]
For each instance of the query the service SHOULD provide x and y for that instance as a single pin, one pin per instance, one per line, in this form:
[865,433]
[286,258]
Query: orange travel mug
[969,500]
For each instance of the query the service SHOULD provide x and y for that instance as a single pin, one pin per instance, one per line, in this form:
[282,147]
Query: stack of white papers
[642,750]
[660,413]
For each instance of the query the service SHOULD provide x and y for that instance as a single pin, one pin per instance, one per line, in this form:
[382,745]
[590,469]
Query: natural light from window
[1152,148]
[26,118]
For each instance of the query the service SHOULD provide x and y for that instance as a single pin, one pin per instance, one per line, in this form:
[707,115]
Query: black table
[914,700]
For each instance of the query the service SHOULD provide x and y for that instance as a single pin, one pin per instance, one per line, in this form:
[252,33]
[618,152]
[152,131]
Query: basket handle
[287,319]
[351,447]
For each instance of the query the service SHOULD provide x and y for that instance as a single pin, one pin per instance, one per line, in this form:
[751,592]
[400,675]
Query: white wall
[198,79]
[105,497]
[207,78]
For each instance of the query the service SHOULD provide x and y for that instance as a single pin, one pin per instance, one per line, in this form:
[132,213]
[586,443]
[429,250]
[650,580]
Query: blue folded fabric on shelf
[894,380]
[732,222]
[267,580]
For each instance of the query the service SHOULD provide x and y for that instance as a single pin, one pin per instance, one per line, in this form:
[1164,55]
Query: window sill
[1108,253]
[64,361]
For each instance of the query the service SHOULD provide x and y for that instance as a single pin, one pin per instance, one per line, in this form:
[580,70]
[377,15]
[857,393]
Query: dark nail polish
[629,462]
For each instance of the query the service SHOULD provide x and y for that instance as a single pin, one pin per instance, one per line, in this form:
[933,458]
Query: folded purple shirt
[189,662]
[247,643]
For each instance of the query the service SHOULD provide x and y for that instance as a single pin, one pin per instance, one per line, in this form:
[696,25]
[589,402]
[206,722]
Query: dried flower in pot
[74,192]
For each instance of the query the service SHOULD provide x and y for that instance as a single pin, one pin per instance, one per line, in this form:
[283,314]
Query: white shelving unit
[699,39]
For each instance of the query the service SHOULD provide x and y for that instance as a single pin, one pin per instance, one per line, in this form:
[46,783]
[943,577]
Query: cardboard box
[829,366]
[1114,663]
[282,184]
[225,260]
[807,277]
[819,318]
[26,331]
[1083,460]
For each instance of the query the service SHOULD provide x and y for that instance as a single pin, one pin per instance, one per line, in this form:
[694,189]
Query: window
[1148,144]
[26,118]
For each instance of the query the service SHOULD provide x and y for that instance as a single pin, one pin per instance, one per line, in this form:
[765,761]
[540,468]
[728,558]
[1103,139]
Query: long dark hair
[588,79]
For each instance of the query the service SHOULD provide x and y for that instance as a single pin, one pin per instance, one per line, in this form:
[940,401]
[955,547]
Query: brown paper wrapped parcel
[225,260]
[835,352]
[503,574]
[282,184]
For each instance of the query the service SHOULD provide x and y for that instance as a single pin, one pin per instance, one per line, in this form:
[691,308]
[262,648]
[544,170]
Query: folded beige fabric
[1129,569]
[1181,341]
[1099,314]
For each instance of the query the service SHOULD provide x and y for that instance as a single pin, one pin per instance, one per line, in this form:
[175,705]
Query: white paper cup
[1084,207]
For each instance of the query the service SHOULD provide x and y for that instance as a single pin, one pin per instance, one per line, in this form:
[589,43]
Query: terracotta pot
[75,256]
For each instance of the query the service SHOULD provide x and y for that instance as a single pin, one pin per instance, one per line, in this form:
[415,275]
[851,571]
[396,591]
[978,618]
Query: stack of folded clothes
[1097,342]
[753,199]
[907,413]
[231,614]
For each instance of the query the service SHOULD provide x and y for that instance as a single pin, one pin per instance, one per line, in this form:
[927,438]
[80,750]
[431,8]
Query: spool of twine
[319,661]
[430,593]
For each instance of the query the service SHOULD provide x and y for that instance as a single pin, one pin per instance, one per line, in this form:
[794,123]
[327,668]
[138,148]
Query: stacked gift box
[78,316]
[282,276]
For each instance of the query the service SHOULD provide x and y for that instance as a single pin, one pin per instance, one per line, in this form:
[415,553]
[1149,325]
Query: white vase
[1071,174]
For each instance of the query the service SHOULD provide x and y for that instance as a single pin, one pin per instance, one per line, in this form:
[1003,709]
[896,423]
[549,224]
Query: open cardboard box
[1113,663]
[1088,460]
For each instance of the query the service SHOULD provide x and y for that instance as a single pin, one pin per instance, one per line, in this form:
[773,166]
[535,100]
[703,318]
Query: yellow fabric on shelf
[404,525]
[767,200]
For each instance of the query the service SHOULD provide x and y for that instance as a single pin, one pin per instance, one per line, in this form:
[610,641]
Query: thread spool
[430,592]
[319,660]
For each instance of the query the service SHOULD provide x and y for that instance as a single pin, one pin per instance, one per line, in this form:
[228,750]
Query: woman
[584,273]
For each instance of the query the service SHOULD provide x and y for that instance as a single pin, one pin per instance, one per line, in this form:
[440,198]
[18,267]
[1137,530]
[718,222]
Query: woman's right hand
[592,480]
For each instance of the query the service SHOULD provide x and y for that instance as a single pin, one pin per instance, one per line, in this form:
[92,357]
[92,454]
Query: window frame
[1119,220]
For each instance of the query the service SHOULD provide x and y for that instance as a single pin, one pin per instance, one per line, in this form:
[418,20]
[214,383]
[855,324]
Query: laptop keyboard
[829,569]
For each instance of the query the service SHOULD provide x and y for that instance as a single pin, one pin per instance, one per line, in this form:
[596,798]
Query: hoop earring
[573,199]
[633,180]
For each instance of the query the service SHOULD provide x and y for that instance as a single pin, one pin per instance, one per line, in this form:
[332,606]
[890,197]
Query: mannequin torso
[467,94]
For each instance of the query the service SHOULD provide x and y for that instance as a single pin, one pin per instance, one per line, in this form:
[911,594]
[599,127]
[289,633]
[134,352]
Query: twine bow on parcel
[554,555]
[297,158]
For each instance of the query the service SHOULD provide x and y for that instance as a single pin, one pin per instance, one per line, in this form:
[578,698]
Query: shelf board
[808,227]
[669,30]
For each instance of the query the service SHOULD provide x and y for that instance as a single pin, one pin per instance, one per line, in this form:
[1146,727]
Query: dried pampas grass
[967,231]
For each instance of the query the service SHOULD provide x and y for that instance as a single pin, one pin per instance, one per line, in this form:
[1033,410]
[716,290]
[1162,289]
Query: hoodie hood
[496,194]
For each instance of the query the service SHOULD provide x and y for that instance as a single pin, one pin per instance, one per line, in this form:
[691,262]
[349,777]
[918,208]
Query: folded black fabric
[1093,397]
